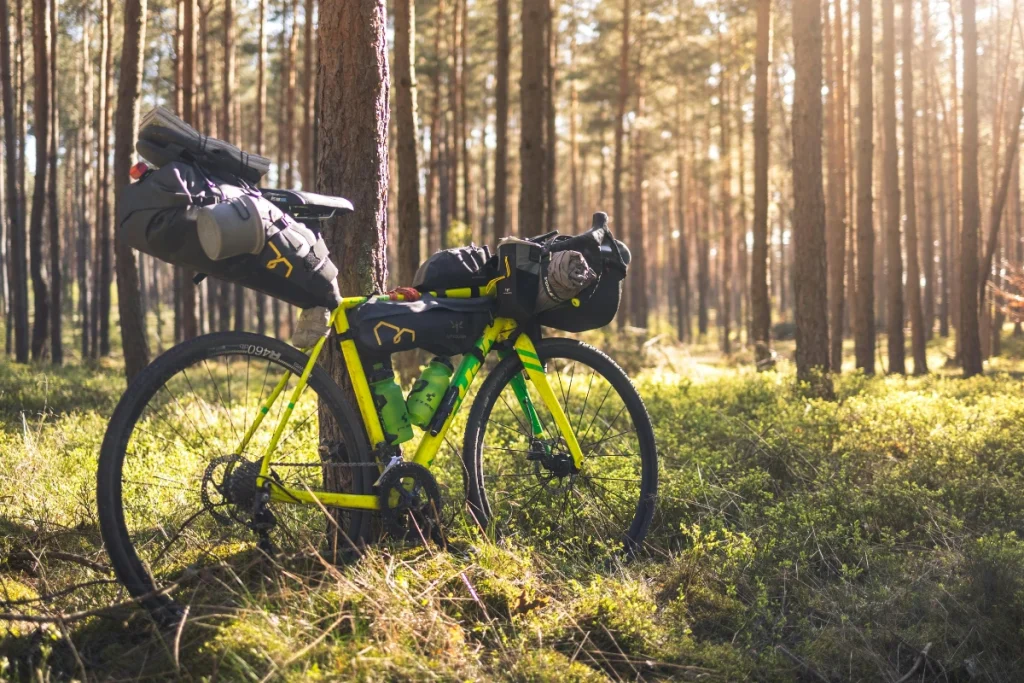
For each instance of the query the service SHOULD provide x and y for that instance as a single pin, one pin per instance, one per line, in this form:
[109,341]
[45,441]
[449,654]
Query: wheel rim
[195,416]
[527,490]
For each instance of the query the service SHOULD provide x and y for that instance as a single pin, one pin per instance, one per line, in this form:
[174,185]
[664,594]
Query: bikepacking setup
[234,444]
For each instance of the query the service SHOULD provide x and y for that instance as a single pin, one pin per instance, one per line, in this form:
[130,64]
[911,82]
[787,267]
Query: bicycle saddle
[306,206]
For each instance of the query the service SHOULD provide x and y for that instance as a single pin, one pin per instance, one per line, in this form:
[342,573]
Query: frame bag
[159,216]
[444,327]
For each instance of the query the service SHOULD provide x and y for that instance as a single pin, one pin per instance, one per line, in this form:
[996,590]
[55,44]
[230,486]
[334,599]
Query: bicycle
[190,476]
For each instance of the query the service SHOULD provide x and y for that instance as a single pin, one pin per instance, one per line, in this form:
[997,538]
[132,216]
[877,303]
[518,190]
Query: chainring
[410,503]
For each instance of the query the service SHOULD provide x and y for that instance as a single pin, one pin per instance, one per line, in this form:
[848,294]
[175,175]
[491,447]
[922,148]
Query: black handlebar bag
[158,216]
[522,266]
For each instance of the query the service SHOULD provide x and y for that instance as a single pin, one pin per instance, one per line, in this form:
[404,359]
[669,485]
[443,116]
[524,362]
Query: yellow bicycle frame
[500,329]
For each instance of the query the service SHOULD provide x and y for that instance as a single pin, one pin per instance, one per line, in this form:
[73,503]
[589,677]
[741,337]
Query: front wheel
[523,485]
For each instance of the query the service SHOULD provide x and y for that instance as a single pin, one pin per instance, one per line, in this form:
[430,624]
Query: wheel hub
[551,459]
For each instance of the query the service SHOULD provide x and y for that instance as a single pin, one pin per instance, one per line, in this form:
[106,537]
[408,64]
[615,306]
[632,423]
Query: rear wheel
[523,485]
[177,497]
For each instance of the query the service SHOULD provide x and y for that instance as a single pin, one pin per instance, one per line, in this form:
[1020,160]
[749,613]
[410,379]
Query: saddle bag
[441,326]
[218,225]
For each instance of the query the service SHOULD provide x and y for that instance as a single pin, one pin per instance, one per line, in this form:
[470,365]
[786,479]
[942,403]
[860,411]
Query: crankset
[410,503]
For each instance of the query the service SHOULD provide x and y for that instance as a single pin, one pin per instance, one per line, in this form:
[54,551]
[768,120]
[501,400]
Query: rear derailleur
[230,494]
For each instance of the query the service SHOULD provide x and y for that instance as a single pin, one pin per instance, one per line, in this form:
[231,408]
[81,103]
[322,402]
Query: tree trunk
[914,304]
[85,264]
[618,208]
[812,351]
[289,98]
[864,318]
[467,188]
[725,205]
[354,112]
[967,332]
[408,165]
[837,194]
[53,217]
[759,301]
[261,113]
[16,226]
[308,84]
[41,127]
[531,147]
[891,169]
[500,125]
[956,186]
[189,321]
[103,218]
[683,275]
[454,128]
[129,303]
[574,145]
[550,134]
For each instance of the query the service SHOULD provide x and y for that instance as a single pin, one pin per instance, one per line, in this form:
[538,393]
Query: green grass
[796,540]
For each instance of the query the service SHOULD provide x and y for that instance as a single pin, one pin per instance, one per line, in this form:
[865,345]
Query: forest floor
[874,538]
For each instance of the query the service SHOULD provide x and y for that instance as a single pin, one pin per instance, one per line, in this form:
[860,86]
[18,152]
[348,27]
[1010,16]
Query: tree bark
[467,187]
[891,170]
[914,303]
[864,318]
[53,217]
[354,113]
[103,218]
[408,165]
[967,332]
[618,208]
[17,272]
[725,205]
[189,321]
[812,351]
[41,127]
[308,85]
[837,194]
[759,300]
[501,124]
[550,134]
[531,147]
[129,303]
[261,114]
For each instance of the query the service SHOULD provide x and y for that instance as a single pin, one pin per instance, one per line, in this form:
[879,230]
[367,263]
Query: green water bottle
[387,396]
[428,391]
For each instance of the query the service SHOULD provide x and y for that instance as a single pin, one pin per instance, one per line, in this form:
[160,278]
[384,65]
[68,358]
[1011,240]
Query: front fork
[534,371]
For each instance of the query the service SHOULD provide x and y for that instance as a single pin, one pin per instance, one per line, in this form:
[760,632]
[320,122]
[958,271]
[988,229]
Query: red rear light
[138,170]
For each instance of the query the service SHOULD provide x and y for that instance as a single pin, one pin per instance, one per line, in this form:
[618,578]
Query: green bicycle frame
[500,329]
